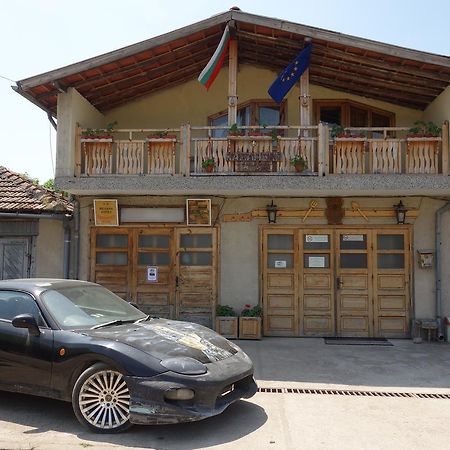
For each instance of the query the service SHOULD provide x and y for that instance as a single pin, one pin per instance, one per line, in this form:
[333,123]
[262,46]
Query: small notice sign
[316,261]
[280,264]
[353,237]
[106,213]
[152,274]
[198,212]
[316,238]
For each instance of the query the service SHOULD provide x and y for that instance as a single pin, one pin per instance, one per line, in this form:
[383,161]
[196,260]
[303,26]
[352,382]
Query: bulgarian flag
[209,73]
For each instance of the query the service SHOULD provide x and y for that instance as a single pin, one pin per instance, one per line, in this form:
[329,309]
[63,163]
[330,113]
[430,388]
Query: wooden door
[354,312]
[280,282]
[317,315]
[15,261]
[391,292]
[196,275]
[112,259]
[153,279]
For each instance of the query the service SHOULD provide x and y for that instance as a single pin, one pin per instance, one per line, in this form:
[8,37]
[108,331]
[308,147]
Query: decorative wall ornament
[335,211]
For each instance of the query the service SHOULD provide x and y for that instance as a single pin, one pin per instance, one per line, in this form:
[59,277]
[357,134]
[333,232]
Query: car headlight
[184,366]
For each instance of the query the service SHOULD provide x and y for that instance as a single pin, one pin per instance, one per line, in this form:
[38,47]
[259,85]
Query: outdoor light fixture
[400,212]
[271,213]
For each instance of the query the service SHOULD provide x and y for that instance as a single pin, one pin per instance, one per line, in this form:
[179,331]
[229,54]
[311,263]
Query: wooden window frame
[254,105]
[345,106]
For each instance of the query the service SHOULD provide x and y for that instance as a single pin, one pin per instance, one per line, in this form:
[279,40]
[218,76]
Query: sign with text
[106,213]
[198,212]
[152,274]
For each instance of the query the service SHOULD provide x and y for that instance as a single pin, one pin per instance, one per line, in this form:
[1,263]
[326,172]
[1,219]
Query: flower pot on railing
[208,165]
[97,149]
[250,322]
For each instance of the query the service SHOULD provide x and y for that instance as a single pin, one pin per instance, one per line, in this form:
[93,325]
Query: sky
[40,35]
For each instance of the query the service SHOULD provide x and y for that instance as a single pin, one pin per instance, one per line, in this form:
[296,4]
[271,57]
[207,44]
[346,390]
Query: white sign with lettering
[152,274]
[316,261]
[353,237]
[280,264]
[316,238]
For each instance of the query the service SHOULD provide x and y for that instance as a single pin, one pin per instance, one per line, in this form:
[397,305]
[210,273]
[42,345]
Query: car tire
[101,400]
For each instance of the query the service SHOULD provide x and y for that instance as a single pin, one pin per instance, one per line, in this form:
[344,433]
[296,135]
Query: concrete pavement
[279,421]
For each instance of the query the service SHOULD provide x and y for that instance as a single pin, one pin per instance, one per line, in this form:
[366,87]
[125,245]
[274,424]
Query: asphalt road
[280,420]
[268,421]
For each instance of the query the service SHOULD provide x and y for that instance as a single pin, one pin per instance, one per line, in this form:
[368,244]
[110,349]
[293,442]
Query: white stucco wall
[439,109]
[50,249]
[73,109]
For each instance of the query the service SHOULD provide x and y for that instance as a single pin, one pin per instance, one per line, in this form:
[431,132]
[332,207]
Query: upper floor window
[258,113]
[352,114]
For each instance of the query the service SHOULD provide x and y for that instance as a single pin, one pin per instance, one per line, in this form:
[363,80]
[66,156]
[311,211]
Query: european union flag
[282,85]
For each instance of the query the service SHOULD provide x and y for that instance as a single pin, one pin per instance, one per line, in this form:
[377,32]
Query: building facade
[354,243]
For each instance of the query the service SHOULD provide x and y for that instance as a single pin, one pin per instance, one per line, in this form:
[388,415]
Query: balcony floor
[280,186]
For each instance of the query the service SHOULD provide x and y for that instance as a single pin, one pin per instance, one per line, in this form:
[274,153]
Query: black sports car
[79,342]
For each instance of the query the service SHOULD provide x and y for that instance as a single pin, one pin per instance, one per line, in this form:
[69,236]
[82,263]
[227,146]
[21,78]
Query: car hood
[164,339]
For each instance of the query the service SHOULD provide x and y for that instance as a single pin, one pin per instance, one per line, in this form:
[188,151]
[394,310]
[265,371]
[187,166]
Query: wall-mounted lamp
[400,212]
[271,213]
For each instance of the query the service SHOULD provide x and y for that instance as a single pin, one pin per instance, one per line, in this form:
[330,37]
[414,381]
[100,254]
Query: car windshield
[79,307]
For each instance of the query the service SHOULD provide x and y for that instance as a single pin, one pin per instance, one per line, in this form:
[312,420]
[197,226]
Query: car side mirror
[26,321]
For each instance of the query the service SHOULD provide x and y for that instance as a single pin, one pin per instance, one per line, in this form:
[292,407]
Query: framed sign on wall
[106,213]
[198,212]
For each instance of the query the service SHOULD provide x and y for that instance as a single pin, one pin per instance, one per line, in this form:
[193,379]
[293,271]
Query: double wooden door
[168,272]
[336,281]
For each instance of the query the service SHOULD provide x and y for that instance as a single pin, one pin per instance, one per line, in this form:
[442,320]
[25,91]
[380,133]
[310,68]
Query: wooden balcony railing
[185,150]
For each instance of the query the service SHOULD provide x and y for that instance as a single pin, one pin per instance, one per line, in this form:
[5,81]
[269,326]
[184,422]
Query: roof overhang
[346,63]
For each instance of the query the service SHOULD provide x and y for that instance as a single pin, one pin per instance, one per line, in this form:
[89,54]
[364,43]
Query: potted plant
[161,135]
[340,132]
[234,130]
[299,163]
[250,322]
[422,152]
[424,129]
[208,165]
[92,134]
[226,321]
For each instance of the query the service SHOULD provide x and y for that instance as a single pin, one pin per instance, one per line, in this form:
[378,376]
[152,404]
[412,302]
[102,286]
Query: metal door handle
[339,283]
[176,281]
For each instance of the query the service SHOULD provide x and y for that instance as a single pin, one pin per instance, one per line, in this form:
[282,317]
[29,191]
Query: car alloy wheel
[102,400]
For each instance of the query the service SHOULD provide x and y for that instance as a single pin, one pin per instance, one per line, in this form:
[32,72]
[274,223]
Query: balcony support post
[305,99]
[445,147]
[185,150]
[77,170]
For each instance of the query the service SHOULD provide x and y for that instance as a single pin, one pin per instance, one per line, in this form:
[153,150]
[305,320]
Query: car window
[87,306]
[13,303]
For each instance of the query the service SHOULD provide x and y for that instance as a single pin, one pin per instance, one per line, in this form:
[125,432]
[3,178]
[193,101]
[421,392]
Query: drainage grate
[277,390]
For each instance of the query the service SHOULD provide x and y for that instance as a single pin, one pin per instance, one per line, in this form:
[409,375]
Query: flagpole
[232,77]
[305,99]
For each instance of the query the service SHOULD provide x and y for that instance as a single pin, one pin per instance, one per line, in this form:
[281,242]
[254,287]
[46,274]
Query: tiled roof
[19,194]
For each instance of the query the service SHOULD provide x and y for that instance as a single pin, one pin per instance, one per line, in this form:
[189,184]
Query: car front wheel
[101,400]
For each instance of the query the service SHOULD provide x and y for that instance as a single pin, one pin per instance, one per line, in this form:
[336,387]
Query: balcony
[188,151]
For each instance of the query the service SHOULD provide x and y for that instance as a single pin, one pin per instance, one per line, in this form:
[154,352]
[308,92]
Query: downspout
[439,213]
[76,236]
[66,251]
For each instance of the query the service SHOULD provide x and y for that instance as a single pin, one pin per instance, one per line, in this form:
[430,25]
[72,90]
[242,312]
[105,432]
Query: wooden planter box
[227,326]
[249,327]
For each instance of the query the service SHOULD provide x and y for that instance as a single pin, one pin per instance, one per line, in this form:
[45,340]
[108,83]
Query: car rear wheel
[101,400]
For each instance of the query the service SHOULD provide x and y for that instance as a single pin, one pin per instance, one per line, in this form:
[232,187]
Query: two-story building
[355,243]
